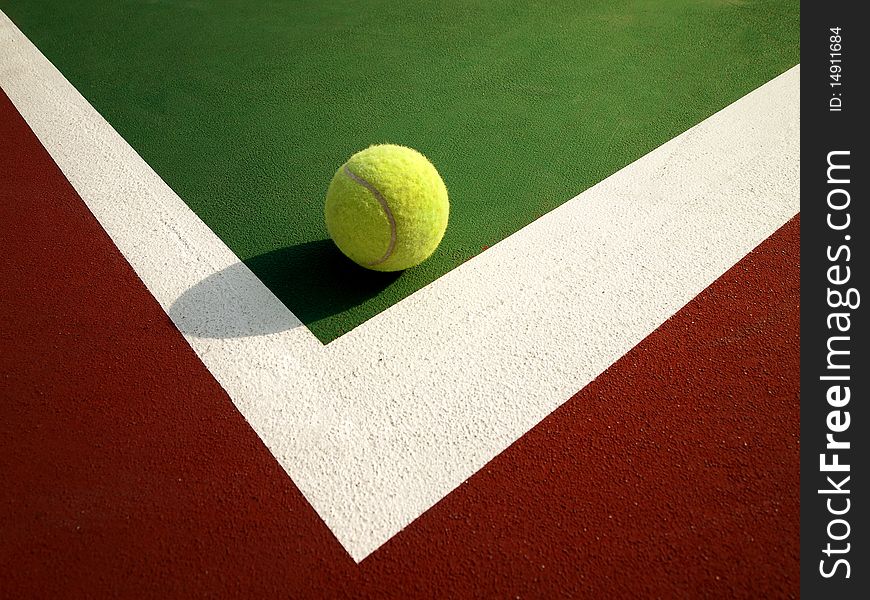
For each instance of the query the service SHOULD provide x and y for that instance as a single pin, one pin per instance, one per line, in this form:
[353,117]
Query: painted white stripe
[382,423]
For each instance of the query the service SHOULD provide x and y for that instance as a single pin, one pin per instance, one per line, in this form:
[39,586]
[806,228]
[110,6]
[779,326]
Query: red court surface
[128,472]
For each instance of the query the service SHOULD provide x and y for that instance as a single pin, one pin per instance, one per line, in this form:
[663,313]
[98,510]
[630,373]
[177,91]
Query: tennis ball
[386,208]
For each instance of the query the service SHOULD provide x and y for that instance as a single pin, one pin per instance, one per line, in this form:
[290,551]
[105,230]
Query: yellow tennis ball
[387,208]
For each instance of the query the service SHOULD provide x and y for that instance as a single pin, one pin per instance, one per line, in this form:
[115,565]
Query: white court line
[382,423]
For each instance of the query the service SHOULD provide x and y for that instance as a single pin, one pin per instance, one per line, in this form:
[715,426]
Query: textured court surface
[247,108]
[145,451]
[132,473]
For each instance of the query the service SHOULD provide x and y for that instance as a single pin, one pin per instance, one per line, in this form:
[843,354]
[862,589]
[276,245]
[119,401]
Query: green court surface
[246,108]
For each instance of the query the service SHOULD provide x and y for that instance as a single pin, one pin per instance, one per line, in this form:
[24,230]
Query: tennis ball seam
[384,206]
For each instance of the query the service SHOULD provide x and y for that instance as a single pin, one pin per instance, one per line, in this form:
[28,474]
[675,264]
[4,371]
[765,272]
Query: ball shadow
[313,279]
